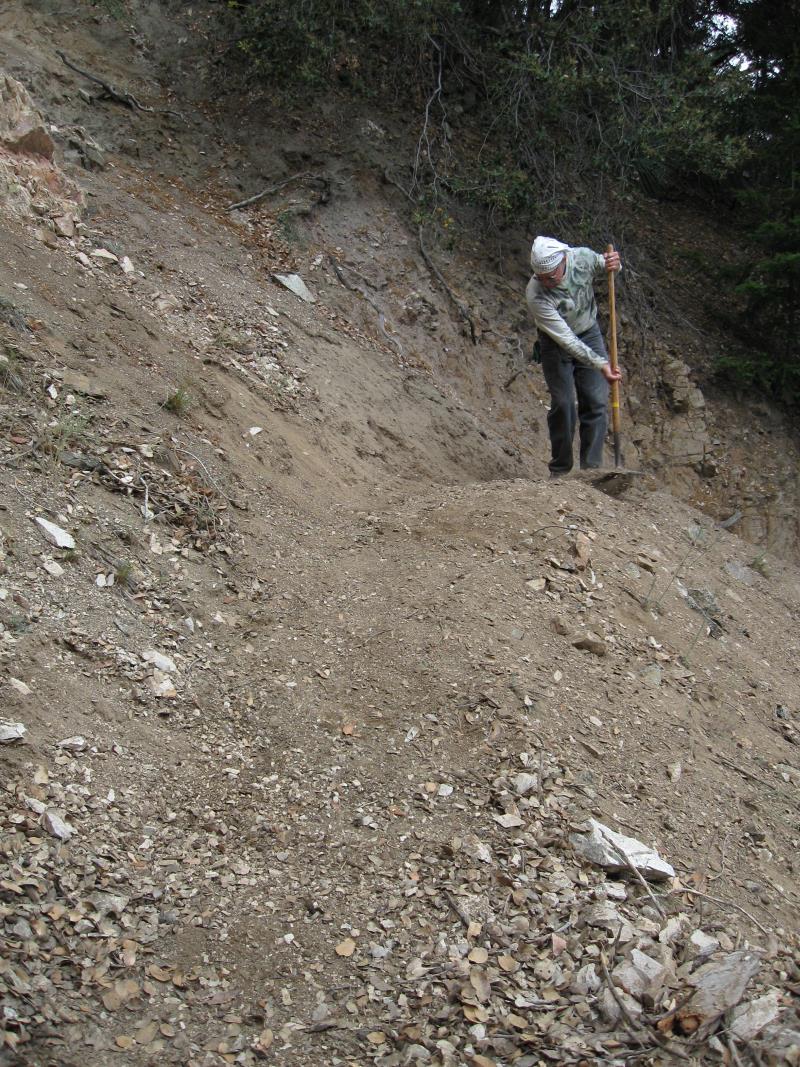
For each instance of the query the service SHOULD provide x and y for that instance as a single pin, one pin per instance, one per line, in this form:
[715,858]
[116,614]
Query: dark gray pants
[578,395]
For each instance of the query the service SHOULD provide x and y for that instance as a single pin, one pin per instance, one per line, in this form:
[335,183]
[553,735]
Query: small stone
[162,686]
[104,256]
[700,945]
[525,783]
[295,284]
[159,661]
[508,822]
[741,573]
[591,643]
[748,1020]
[586,981]
[582,551]
[54,534]
[73,744]
[720,985]
[651,676]
[64,226]
[11,731]
[616,891]
[77,382]
[651,974]
[56,826]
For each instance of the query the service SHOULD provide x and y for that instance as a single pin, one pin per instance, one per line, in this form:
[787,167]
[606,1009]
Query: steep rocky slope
[326,675]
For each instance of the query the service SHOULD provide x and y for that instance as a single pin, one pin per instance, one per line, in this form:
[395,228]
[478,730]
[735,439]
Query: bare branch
[128,99]
[305,176]
[462,309]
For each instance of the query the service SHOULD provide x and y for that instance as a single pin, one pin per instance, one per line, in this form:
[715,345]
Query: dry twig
[304,176]
[362,292]
[391,181]
[128,99]
[462,309]
[723,904]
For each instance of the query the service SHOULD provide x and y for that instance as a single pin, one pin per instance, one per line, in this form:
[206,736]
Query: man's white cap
[546,254]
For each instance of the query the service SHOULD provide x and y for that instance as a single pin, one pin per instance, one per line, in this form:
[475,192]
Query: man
[574,360]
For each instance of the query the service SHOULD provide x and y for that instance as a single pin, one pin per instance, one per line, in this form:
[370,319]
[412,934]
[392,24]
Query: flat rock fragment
[748,1020]
[610,850]
[54,534]
[11,731]
[295,284]
[57,826]
[719,985]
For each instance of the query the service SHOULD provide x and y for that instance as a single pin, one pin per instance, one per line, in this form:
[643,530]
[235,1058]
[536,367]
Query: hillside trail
[323,677]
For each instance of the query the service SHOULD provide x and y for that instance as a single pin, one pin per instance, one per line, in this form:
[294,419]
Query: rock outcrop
[31,182]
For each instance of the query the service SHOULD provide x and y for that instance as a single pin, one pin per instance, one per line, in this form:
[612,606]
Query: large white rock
[603,845]
[54,534]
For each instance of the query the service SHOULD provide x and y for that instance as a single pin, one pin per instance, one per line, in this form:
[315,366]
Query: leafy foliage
[531,111]
[765,37]
[520,103]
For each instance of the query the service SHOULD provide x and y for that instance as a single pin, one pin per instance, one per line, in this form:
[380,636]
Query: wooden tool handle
[612,348]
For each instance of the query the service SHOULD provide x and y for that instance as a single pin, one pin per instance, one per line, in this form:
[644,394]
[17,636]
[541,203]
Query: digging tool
[616,481]
[612,355]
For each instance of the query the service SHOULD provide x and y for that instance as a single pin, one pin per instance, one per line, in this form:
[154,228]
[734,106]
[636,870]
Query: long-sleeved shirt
[570,308]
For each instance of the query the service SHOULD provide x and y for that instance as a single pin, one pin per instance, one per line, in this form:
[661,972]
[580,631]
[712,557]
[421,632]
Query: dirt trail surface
[311,682]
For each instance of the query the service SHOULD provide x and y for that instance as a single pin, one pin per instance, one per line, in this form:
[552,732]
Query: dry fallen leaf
[147,1032]
[475,1013]
[376,1037]
[478,955]
[265,1039]
[126,989]
[480,983]
[111,1000]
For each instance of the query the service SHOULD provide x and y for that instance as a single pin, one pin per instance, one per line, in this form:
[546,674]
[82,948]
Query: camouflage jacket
[570,308]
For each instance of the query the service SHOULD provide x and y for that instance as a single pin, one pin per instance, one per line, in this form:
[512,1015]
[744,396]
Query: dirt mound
[311,682]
